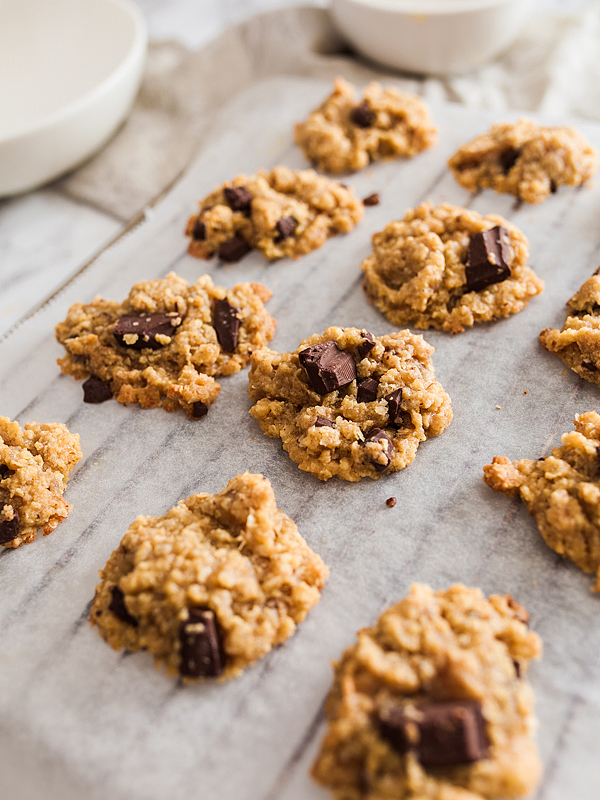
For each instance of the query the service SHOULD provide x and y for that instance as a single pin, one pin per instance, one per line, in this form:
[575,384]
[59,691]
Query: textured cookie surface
[212,585]
[436,269]
[350,404]
[164,344]
[578,342]
[432,704]
[35,463]
[283,212]
[346,133]
[524,159]
[561,492]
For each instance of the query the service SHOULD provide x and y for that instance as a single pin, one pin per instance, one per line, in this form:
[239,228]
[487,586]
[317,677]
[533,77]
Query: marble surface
[79,720]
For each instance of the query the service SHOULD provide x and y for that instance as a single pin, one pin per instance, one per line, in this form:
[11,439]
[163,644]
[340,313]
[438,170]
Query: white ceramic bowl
[430,36]
[69,71]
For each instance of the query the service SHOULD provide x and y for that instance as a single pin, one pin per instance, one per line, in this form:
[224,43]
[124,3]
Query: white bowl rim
[423,8]
[136,50]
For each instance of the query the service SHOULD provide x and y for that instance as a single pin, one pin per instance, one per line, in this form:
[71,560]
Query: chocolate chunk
[9,528]
[377,435]
[596,271]
[553,187]
[95,390]
[201,649]
[441,734]
[118,607]
[327,366]
[323,422]
[508,159]
[199,409]
[517,668]
[362,115]
[285,227]
[589,366]
[4,471]
[226,323]
[238,198]
[394,401]
[365,347]
[233,249]
[139,331]
[371,199]
[488,259]
[199,231]
[366,390]
[390,502]
[519,611]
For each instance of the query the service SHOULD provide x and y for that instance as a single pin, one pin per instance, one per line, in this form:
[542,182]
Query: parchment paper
[78,720]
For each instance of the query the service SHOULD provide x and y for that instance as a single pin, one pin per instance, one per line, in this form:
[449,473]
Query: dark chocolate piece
[517,668]
[366,390]
[323,422]
[371,199]
[394,401]
[9,528]
[390,502]
[238,198]
[199,231]
[226,323]
[553,187]
[285,228]
[377,435]
[365,347]
[141,330]
[4,471]
[327,366]
[508,159]
[95,390]
[362,115]
[441,734]
[488,258]
[118,607]
[199,409]
[519,611]
[201,649]
[589,366]
[233,249]
[596,271]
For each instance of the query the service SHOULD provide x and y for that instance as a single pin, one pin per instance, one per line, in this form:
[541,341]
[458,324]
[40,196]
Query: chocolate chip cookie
[348,403]
[164,344]
[346,133]
[448,268]
[432,703]
[283,212]
[35,463]
[212,585]
[561,492]
[525,159]
[578,341]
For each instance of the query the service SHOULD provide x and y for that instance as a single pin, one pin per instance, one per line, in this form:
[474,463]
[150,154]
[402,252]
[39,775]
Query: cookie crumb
[390,502]
[499,407]
[525,391]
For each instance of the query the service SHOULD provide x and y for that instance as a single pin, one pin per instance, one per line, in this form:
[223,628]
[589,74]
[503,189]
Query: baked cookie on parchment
[212,585]
[561,492]
[432,703]
[35,463]
[164,344]
[525,159]
[348,403]
[346,133]
[578,341]
[448,268]
[283,212]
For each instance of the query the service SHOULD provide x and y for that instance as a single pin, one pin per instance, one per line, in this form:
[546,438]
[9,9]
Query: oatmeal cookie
[35,463]
[212,585]
[164,344]
[561,492]
[524,159]
[432,703]
[578,342]
[345,133]
[348,403]
[283,212]
[446,267]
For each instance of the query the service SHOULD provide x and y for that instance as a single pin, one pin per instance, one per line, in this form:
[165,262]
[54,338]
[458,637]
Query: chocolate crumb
[96,390]
[372,199]
[390,502]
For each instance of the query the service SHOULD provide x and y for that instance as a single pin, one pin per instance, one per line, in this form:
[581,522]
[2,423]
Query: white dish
[69,71]
[430,36]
